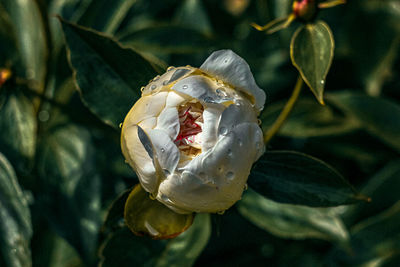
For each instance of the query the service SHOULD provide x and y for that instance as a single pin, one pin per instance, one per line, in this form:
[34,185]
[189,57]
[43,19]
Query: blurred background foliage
[61,168]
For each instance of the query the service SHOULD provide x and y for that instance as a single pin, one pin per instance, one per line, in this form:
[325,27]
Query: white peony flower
[193,135]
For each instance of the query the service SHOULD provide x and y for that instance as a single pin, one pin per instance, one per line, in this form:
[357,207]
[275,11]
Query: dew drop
[120,125]
[156,78]
[240,142]
[142,89]
[322,82]
[246,186]
[166,199]
[223,130]
[225,60]
[185,86]
[230,153]
[259,122]
[166,172]
[162,150]
[165,82]
[170,68]
[221,212]
[153,87]
[229,175]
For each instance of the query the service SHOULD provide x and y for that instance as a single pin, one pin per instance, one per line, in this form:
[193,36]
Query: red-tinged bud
[305,9]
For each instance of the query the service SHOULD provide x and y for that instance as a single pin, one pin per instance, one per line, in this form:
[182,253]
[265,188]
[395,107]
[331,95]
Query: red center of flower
[189,117]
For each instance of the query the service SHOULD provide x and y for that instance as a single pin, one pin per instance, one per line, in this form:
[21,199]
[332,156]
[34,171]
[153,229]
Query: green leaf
[311,51]
[106,16]
[382,188]
[296,178]
[309,119]
[108,75]
[145,216]
[124,249]
[292,221]
[18,129]
[380,117]
[183,250]
[15,220]
[168,39]
[193,9]
[377,236]
[70,187]
[27,25]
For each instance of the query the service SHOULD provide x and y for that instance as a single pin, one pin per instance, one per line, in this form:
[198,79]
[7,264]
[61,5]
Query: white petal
[175,99]
[148,123]
[214,181]
[138,157]
[163,82]
[167,152]
[232,69]
[168,121]
[236,114]
[209,135]
[146,107]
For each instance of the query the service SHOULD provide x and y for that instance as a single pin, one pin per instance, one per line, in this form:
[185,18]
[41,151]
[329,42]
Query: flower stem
[285,112]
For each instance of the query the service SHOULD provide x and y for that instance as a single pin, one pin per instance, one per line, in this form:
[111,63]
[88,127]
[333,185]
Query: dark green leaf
[70,187]
[193,9]
[292,221]
[309,119]
[106,16]
[28,27]
[376,237]
[123,248]
[168,39]
[184,249]
[295,178]
[18,129]
[15,220]
[378,116]
[311,51]
[108,75]
[383,190]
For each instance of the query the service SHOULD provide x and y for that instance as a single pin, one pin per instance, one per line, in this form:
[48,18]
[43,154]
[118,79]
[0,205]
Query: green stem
[285,112]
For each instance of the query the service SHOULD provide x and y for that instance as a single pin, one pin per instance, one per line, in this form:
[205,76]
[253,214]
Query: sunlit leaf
[292,221]
[70,187]
[311,51]
[145,216]
[108,75]
[15,220]
[295,178]
[18,128]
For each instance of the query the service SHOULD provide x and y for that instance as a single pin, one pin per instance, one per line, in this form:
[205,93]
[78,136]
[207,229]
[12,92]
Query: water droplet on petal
[230,175]
[142,88]
[230,153]
[165,82]
[162,150]
[223,130]
[185,86]
[322,82]
[246,186]
[166,172]
[153,87]
[170,68]
[120,125]
[225,60]
[259,122]
[240,142]
[156,78]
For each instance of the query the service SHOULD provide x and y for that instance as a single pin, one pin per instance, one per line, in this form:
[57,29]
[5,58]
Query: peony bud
[193,135]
